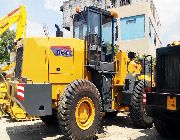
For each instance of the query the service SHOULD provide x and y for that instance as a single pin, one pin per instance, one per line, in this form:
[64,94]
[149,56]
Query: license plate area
[171,103]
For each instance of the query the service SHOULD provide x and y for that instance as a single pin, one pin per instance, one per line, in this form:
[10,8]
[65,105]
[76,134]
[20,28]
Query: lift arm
[18,15]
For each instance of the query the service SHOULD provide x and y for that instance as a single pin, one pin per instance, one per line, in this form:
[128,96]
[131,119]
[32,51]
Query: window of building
[132,27]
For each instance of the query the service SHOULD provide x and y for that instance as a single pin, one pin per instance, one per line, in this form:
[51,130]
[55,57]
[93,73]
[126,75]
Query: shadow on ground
[121,121]
[152,134]
[125,121]
[39,131]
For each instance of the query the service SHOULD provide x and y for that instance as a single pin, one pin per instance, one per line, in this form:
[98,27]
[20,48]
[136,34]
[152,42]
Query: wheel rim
[85,113]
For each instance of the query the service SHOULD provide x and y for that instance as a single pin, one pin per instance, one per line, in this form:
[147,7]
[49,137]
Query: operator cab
[96,27]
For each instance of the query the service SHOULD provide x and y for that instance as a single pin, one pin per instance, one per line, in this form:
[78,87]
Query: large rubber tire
[68,103]
[51,120]
[167,128]
[137,109]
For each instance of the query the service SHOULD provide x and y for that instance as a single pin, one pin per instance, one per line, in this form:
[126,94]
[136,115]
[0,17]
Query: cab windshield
[80,27]
[100,24]
[107,33]
[81,22]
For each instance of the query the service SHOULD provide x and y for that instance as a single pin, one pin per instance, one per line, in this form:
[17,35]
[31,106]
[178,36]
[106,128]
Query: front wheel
[79,110]
[138,113]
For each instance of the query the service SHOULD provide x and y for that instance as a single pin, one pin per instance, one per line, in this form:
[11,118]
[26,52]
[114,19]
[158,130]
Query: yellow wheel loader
[17,16]
[71,81]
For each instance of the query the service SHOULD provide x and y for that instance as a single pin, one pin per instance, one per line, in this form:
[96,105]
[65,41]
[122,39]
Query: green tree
[6,40]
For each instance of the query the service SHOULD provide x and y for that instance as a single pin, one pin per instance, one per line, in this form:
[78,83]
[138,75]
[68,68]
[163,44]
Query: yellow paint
[121,61]
[3,91]
[7,67]
[55,91]
[3,88]
[1,113]
[18,112]
[124,66]
[87,75]
[16,16]
[171,103]
[71,68]
[134,67]
[114,14]
[85,113]
[175,43]
[144,77]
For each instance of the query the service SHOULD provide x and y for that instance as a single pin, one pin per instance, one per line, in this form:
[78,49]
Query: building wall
[131,37]
[154,27]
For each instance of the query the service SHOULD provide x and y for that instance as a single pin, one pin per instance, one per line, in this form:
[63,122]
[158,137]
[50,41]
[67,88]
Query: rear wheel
[79,110]
[137,110]
[167,128]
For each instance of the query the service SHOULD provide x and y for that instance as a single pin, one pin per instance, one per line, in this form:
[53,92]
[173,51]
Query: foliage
[116,48]
[109,47]
[6,41]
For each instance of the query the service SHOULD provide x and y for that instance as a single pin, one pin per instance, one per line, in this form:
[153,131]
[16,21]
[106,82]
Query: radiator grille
[168,69]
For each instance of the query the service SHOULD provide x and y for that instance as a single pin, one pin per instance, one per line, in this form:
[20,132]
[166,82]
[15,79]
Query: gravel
[120,128]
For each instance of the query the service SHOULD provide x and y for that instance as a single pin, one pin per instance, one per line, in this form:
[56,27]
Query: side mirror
[131,55]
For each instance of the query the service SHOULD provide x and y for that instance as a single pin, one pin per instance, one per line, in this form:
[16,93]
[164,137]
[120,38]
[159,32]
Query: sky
[40,12]
[169,13]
